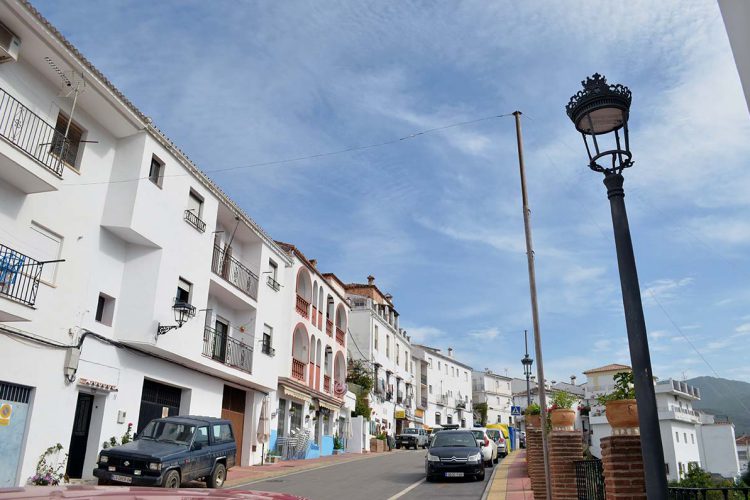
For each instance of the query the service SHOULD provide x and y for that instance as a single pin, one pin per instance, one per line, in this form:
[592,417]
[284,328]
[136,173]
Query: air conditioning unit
[10,44]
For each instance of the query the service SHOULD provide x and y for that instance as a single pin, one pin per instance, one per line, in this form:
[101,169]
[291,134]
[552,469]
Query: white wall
[718,449]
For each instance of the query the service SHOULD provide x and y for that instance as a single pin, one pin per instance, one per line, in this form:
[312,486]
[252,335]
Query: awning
[296,394]
[329,406]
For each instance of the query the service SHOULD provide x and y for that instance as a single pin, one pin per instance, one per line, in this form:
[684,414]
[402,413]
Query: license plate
[454,474]
[128,479]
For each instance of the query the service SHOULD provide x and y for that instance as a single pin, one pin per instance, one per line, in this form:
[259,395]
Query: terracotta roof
[744,440]
[608,368]
[149,126]
[351,287]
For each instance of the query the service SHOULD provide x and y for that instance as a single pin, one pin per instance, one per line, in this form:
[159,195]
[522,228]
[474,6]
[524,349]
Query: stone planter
[377,445]
[533,420]
[622,415]
[563,419]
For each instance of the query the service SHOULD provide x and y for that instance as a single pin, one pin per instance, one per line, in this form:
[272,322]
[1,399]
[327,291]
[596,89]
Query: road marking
[407,490]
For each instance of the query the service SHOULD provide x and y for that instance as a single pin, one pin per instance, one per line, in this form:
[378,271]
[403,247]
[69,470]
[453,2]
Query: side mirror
[197,446]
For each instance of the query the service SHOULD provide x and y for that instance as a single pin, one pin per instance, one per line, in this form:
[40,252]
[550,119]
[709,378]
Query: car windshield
[478,434]
[411,431]
[461,439]
[168,432]
[493,434]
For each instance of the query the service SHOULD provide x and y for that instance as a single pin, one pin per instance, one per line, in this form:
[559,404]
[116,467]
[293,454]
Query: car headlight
[475,459]
[432,458]
[154,465]
[103,459]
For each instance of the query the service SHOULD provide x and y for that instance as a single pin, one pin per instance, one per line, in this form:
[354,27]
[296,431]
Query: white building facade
[131,286]
[495,391]
[448,383]
[385,347]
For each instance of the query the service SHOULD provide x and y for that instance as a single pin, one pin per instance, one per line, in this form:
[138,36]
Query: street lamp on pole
[600,113]
[527,362]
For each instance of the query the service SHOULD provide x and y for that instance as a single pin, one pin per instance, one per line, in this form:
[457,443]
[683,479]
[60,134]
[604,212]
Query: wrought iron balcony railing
[195,221]
[303,307]
[298,369]
[273,283]
[225,349]
[266,348]
[34,136]
[327,383]
[19,276]
[234,272]
[340,336]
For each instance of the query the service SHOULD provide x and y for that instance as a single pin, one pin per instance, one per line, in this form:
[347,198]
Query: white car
[488,446]
[497,436]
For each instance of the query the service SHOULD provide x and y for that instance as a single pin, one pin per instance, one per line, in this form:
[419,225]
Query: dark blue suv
[171,451]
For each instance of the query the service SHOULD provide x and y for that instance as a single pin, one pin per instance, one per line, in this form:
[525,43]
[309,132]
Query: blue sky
[437,219]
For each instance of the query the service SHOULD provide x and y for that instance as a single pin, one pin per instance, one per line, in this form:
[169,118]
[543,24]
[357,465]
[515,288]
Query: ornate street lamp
[526,361]
[600,113]
[182,312]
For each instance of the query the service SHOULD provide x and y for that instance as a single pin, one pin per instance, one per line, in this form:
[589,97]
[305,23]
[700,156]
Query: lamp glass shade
[602,120]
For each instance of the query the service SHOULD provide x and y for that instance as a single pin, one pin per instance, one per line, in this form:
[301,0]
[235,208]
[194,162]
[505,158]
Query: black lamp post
[182,312]
[527,362]
[600,113]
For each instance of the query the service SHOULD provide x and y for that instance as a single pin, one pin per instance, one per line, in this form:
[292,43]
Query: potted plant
[584,409]
[533,415]
[621,407]
[562,416]
[338,445]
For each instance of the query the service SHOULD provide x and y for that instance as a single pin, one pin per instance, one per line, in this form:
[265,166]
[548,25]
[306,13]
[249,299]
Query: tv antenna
[72,83]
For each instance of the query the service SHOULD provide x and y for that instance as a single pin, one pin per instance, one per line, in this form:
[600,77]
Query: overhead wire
[350,149]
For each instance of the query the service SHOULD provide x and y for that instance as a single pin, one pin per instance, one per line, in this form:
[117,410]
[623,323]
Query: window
[446,369]
[499,419]
[439,365]
[105,308]
[684,435]
[398,352]
[222,433]
[201,436]
[692,438]
[677,436]
[195,204]
[666,467]
[387,347]
[406,360]
[273,271]
[184,291]
[156,171]
[437,419]
[266,347]
[449,419]
[429,362]
[66,150]
[452,373]
[466,376]
[46,246]
[375,337]
[430,389]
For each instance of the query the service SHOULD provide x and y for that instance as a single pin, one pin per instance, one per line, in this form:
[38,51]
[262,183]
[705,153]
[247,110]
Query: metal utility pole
[534,306]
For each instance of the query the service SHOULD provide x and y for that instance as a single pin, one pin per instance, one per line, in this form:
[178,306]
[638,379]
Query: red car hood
[133,493]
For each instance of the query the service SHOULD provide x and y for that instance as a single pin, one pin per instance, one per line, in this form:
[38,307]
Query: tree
[358,374]
[481,409]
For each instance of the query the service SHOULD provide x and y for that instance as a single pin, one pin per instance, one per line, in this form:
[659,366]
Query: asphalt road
[382,477]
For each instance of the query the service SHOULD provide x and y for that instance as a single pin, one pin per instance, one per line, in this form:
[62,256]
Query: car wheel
[218,476]
[496,460]
[480,476]
[172,479]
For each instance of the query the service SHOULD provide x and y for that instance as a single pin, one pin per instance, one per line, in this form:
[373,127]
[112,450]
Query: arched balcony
[327,369]
[300,352]
[320,308]
[329,315]
[341,325]
[314,317]
[304,293]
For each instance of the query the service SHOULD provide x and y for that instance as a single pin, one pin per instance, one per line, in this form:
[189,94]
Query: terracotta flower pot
[534,420]
[563,419]
[622,415]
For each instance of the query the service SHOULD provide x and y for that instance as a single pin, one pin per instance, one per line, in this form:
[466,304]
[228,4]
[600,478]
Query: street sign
[515,410]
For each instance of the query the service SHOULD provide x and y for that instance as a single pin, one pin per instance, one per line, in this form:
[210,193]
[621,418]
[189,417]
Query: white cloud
[424,334]
[485,333]
[664,289]
[743,328]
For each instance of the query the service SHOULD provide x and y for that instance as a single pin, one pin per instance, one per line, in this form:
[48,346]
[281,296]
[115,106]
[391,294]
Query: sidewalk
[511,481]
[243,475]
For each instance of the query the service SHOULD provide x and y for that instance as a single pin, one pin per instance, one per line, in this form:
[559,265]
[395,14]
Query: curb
[488,487]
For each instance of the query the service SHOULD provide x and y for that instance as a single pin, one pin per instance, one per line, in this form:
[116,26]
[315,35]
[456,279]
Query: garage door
[157,401]
[14,407]
[233,409]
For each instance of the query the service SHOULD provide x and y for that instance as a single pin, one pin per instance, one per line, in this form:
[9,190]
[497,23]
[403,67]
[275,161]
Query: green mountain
[721,396]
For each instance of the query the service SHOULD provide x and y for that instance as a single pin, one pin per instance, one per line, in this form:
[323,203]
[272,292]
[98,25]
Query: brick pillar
[564,448]
[535,460]
[624,478]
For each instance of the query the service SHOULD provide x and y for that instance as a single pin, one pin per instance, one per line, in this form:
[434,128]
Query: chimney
[450,352]
[572,380]
[371,280]
[388,296]
[314,263]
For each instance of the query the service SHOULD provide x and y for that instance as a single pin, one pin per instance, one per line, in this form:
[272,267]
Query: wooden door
[233,409]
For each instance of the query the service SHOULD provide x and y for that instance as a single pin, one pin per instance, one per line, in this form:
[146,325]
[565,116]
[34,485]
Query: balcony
[329,327]
[423,402]
[266,348]
[303,307]
[35,164]
[298,370]
[340,337]
[327,383]
[224,349]
[275,285]
[195,221]
[19,276]
[234,272]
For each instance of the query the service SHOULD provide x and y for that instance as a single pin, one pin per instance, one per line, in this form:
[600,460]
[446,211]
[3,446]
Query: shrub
[126,438]
[533,409]
[338,443]
[50,470]
[624,389]
[562,400]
